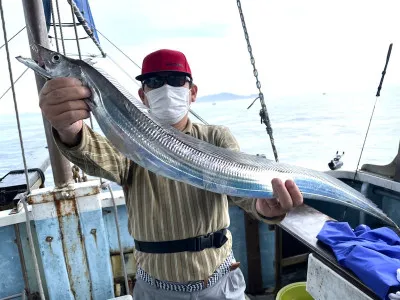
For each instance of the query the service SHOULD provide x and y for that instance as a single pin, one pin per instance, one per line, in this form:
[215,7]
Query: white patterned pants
[231,286]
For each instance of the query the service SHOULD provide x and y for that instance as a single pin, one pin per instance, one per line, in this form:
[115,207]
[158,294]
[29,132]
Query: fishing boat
[71,241]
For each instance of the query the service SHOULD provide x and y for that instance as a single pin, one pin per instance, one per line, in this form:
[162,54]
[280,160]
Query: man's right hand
[62,104]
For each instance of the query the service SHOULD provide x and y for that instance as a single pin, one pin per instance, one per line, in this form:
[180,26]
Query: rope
[28,220]
[118,49]
[59,23]
[263,112]
[14,83]
[85,25]
[13,36]
[54,25]
[76,34]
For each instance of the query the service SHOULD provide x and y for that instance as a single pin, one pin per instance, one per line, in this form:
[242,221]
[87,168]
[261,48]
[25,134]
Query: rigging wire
[126,73]
[71,39]
[13,37]
[59,23]
[28,219]
[54,25]
[65,24]
[198,117]
[118,49]
[378,93]
[19,77]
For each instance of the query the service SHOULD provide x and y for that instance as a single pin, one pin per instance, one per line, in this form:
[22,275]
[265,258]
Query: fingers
[57,83]
[295,194]
[272,202]
[63,94]
[70,117]
[68,106]
[62,104]
[282,193]
[287,196]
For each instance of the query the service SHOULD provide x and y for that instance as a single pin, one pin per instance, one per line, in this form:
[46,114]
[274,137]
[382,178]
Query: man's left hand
[287,197]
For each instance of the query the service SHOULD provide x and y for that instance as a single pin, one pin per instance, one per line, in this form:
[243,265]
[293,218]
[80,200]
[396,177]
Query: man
[183,249]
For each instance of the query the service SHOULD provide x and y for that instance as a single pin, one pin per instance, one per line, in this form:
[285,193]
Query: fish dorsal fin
[89,61]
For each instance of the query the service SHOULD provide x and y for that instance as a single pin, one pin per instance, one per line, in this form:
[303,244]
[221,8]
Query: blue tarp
[373,255]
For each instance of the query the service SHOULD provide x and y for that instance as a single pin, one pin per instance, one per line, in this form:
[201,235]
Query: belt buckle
[203,242]
[210,237]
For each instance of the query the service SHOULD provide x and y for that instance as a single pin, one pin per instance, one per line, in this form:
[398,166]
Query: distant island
[224,97]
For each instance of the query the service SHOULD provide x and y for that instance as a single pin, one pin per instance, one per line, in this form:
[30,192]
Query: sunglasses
[158,81]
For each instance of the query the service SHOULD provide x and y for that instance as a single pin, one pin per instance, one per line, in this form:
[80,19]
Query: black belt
[214,239]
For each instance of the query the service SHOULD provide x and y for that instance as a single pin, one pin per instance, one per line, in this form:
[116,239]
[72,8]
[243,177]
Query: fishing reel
[336,163]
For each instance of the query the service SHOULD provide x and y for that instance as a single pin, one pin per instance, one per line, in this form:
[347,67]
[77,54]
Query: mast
[37,33]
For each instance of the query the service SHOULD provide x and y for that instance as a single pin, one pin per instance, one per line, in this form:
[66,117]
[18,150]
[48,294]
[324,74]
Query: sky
[300,47]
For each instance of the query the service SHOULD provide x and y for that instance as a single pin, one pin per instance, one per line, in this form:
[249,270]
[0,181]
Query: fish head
[56,64]
[51,64]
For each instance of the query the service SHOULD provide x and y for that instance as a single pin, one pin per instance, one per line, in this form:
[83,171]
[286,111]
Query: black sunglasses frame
[157,81]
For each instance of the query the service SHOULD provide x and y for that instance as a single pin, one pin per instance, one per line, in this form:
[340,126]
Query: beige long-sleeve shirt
[160,209]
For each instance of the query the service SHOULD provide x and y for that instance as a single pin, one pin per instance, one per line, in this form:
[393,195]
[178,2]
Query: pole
[37,33]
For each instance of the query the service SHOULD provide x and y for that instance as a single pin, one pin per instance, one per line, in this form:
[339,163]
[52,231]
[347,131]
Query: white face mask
[169,104]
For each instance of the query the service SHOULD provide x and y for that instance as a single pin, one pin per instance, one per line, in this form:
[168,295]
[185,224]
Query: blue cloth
[373,255]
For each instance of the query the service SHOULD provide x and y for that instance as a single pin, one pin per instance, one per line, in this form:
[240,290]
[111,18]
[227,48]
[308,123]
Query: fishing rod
[378,93]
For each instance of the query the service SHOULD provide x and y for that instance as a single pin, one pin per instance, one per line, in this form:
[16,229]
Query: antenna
[378,93]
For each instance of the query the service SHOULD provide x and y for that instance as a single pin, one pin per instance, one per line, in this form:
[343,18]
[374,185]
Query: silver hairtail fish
[164,150]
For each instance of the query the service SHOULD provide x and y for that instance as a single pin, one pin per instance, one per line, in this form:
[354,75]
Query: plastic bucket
[294,291]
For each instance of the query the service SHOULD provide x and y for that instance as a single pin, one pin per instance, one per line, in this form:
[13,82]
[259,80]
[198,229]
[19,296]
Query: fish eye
[55,58]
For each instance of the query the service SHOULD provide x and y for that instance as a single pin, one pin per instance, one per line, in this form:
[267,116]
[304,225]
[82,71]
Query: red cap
[164,60]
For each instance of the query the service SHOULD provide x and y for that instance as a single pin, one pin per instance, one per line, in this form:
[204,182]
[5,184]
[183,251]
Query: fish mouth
[37,66]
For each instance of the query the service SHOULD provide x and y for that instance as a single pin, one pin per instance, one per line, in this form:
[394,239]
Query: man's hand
[287,197]
[62,104]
